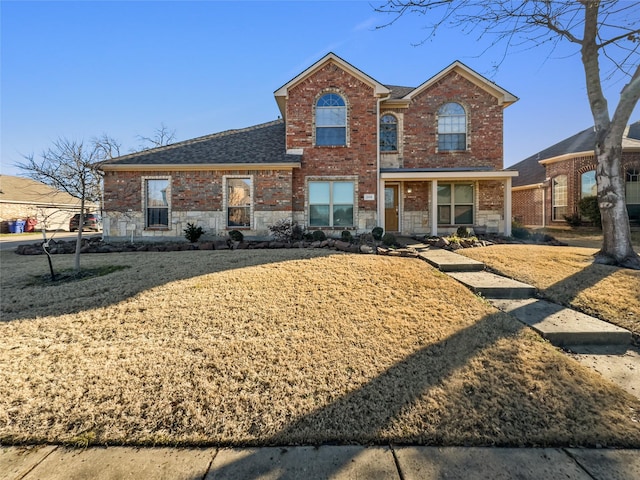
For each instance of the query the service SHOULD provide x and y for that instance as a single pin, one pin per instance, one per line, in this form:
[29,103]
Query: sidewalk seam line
[580,466]
[397,462]
[38,464]
[206,474]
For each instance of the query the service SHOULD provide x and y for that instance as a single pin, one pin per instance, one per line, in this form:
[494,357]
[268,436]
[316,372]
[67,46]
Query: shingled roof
[262,144]
[530,170]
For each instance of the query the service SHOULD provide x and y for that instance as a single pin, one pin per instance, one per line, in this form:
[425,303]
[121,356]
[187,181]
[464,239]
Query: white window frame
[453,204]
[559,198]
[343,125]
[226,205]
[441,125]
[145,201]
[332,180]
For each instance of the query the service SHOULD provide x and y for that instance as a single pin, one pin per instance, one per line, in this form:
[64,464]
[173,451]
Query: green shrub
[589,209]
[236,235]
[377,233]
[307,236]
[319,236]
[193,233]
[346,236]
[462,232]
[286,230]
[389,239]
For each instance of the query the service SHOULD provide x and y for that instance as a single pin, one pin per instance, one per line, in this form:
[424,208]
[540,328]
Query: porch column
[433,214]
[380,201]
[507,207]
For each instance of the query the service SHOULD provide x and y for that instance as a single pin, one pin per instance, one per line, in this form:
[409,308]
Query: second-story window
[388,133]
[452,127]
[331,120]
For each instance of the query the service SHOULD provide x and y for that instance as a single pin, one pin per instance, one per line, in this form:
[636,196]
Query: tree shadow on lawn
[28,297]
[433,397]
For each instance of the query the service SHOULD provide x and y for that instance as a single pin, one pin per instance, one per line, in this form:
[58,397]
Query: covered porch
[439,201]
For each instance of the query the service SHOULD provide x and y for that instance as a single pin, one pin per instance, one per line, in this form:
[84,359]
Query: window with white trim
[331,203]
[452,127]
[157,199]
[559,197]
[239,198]
[455,204]
[331,120]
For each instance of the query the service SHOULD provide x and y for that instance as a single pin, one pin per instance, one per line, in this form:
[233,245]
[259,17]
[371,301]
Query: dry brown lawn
[284,347]
[567,275]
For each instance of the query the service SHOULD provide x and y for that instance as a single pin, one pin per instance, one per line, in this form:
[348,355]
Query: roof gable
[504,97]
[282,93]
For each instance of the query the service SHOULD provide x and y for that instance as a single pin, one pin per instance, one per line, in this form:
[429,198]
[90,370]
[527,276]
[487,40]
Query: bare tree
[71,167]
[606,34]
[161,136]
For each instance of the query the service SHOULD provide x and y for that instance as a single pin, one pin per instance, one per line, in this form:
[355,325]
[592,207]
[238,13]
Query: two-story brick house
[348,153]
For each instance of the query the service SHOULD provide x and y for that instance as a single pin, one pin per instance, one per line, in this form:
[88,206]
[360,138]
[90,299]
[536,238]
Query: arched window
[388,133]
[452,127]
[331,120]
[559,197]
[588,186]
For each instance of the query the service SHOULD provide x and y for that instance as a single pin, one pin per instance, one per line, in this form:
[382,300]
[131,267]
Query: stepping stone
[563,326]
[490,285]
[447,261]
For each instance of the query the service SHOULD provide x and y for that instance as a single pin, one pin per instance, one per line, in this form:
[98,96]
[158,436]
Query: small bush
[193,233]
[346,236]
[236,235]
[462,232]
[286,230]
[319,236]
[377,233]
[589,209]
[574,220]
[389,239]
[307,236]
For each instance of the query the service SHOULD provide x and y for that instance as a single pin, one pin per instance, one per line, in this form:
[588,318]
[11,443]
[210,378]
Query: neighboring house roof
[532,172]
[29,191]
[259,145]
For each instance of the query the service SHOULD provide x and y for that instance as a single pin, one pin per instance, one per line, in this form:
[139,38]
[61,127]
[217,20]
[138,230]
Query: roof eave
[165,167]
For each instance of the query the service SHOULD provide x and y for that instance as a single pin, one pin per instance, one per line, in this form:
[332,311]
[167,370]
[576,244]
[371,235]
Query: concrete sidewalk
[310,463]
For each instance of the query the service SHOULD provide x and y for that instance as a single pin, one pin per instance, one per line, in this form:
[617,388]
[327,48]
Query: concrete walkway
[598,345]
[310,463]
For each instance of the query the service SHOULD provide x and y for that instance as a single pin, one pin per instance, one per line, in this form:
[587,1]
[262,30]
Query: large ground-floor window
[455,204]
[157,199]
[331,203]
[238,201]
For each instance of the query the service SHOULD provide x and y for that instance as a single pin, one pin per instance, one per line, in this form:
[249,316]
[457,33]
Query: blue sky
[81,69]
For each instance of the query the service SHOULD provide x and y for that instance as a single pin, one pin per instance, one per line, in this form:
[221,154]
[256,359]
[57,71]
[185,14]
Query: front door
[391,208]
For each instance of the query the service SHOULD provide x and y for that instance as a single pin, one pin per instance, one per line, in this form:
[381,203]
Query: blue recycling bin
[16,226]
[12,226]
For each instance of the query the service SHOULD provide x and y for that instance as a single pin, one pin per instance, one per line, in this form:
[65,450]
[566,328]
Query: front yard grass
[567,275]
[284,347]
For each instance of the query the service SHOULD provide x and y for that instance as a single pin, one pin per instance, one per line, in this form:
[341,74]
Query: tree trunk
[616,243]
[76,260]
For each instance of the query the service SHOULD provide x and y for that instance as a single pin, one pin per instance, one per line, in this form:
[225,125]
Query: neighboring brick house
[552,182]
[349,153]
